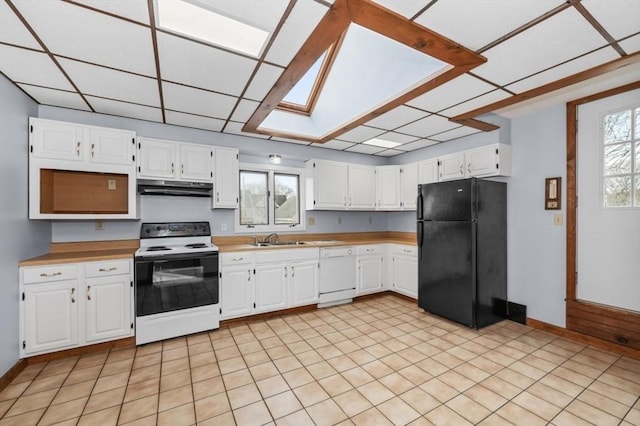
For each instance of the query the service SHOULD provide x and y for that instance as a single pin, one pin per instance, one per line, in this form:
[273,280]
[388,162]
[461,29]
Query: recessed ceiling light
[204,24]
[381,143]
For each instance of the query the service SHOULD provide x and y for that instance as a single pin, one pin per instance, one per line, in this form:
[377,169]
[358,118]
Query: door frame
[616,325]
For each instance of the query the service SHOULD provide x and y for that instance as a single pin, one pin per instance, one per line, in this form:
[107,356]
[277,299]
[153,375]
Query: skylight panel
[205,24]
[301,92]
[381,143]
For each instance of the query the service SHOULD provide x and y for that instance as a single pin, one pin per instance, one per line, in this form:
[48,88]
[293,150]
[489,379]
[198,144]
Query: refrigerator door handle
[419,205]
[420,232]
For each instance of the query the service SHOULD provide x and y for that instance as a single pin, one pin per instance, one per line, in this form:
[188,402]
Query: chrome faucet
[271,238]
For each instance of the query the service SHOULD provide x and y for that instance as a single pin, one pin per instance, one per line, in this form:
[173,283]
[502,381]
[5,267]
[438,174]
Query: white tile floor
[374,362]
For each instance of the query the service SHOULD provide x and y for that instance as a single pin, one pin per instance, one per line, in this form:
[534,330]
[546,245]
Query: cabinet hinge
[496,150]
[138,169]
[254,305]
[24,344]
[132,326]
[139,146]
[211,154]
[237,199]
[220,311]
[211,174]
[131,284]
[314,165]
[31,128]
[439,163]
[23,295]
[254,272]
[497,166]
[133,141]
[237,156]
[133,158]
[401,170]
[31,148]
[314,202]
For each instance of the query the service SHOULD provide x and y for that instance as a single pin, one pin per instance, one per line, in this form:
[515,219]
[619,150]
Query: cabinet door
[227,179]
[409,186]
[405,275]
[388,187]
[236,286]
[108,308]
[196,163]
[482,161]
[452,167]
[156,159]
[370,274]
[362,187]
[50,316]
[330,185]
[303,283]
[271,287]
[61,141]
[109,146]
[428,171]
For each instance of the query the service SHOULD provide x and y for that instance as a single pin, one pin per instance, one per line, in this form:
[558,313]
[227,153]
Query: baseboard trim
[83,350]
[583,338]
[13,372]
[267,315]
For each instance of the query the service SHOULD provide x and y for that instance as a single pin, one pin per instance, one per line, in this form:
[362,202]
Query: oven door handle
[171,257]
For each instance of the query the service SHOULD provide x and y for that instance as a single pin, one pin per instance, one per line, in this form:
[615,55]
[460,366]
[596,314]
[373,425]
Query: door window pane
[254,208]
[617,159]
[286,200]
[617,191]
[617,127]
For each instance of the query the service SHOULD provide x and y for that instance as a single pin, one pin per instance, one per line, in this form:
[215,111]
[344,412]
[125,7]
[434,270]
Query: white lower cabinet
[271,287]
[370,269]
[303,282]
[69,305]
[404,270]
[236,284]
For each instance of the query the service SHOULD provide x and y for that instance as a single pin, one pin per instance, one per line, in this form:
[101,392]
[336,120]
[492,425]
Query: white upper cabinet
[157,159]
[490,160]
[196,162]
[109,146]
[428,171]
[409,180]
[452,166]
[362,187]
[56,140]
[328,182]
[388,187]
[227,179]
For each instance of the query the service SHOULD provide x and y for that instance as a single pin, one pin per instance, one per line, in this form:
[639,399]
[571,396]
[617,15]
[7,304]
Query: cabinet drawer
[111,267]
[408,250]
[41,274]
[367,250]
[236,258]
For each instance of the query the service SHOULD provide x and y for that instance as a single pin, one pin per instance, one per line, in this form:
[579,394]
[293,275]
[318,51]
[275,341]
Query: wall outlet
[111,184]
[339,220]
[311,220]
[223,226]
[557,219]
[99,225]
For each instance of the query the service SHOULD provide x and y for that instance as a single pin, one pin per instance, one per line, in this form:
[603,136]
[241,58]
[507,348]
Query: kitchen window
[621,158]
[270,199]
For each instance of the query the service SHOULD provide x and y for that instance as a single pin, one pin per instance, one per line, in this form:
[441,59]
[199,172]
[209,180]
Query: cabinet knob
[93,146]
[249,275]
[113,268]
[55,274]
[88,292]
[285,272]
[73,292]
[78,148]
[293,272]
[469,168]
[461,169]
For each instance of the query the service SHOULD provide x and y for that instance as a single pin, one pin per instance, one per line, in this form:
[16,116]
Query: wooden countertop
[84,252]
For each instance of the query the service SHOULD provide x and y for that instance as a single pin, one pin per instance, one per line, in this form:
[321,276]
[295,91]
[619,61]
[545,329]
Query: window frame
[634,173]
[272,227]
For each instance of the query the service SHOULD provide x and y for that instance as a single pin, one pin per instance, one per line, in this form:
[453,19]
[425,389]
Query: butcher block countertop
[121,249]
[85,252]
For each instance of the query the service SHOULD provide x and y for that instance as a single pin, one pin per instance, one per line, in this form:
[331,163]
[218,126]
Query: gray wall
[21,238]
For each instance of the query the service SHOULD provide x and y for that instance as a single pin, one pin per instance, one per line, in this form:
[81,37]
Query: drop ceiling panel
[397,137]
[89,36]
[258,13]
[301,22]
[235,128]
[54,97]
[13,31]
[408,9]
[195,121]
[455,134]
[195,64]
[263,81]
[35,68]
[486,99]
[397,117]
[428,126]
[419,144]
[244,110]
[196,101]
[451,93]
[559,38]
[365,149]
[108,83]
[361,134]
[474,24]
[631,45]
[334,144]
[617,24]
[585,62]
[134,10]
[389,153]
[123,109]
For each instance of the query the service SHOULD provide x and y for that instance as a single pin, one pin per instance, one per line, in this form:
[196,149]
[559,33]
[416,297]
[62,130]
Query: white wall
[20,237]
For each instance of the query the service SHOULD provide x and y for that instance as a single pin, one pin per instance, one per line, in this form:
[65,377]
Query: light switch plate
[557,219]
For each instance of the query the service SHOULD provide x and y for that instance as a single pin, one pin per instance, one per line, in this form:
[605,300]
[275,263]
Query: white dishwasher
[337,275]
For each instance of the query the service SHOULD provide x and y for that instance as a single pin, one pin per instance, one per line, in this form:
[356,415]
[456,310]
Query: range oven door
[174,282]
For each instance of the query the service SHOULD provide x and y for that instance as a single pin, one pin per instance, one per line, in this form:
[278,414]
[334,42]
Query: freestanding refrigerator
[462,250]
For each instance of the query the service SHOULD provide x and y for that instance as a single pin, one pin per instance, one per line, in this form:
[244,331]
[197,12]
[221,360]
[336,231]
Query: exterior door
[608,213]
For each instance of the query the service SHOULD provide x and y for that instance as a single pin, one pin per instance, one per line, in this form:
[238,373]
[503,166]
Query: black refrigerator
[462,250]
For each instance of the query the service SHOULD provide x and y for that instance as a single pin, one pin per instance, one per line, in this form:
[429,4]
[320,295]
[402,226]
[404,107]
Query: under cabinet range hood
[174,188]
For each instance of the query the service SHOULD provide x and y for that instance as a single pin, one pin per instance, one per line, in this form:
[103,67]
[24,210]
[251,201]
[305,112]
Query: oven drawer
[41,274]
[106,268]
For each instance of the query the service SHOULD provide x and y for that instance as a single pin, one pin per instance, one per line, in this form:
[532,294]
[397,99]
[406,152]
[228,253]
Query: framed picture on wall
[552,192]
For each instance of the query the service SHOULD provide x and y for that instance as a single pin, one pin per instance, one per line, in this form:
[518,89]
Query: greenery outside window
[270,199]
